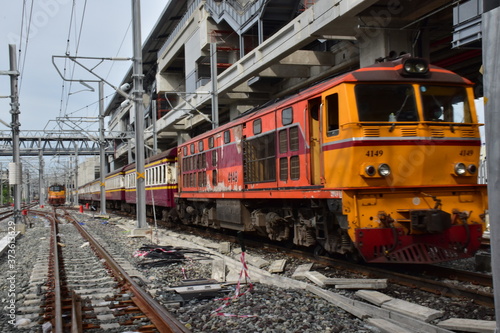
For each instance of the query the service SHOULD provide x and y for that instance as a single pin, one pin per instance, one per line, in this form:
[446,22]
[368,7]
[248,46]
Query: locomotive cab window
[227,136]
[287,116]
[257,126]
[386,102]
[332,114]
[446,104]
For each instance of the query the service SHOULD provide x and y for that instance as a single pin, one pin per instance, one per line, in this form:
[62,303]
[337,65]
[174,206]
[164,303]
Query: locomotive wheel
[319,251]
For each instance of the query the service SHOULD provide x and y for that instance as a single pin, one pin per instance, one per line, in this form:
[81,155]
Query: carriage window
[332,114]
[257,126]
[185,150]
[210,142]
[227,136]
[260,159]
[448,104]
[386,102]
[191,148]
[287,116]
[200,146]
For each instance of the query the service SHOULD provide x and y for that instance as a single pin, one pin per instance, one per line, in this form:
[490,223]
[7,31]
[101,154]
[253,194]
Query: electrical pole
[491,53]
[137,93]
[213,74]
[41,197]
[102,143]
[16,165]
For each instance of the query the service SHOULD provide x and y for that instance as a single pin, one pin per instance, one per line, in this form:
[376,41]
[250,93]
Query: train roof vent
[468,133]
[405,131]
[371,132]
[437,133]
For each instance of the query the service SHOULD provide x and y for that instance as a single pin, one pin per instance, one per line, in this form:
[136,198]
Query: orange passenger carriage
[380,162]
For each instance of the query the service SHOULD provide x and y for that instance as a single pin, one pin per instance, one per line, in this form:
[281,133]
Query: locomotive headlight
[460,169]
[472,168]
[370,170]
[384,170]
[420,67]
[415,66]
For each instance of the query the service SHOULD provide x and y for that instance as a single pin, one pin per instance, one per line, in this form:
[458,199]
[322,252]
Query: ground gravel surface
[262,309]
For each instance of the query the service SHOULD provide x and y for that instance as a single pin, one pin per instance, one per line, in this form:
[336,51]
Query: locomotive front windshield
[446,104]
[397,103]
[386,102]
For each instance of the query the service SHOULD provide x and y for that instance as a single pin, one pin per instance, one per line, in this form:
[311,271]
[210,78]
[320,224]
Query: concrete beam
[309,58]
[286,71]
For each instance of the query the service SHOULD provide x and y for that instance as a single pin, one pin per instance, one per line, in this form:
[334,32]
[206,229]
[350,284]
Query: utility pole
[491,68]
[41,196]
[102,143]
[75,182]
[213,72]
[137,93]
[15,168]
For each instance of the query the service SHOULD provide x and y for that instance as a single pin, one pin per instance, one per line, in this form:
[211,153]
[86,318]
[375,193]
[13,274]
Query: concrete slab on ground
[469,325]
[301,270]
[277,266]
[316,277]
[373,297]
[386,326]
[218,270]
[412,310]
[140,232]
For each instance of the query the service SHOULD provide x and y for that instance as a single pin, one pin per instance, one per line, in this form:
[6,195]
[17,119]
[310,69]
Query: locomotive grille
[437,133]
[467,133]
[371,132]
[408,131]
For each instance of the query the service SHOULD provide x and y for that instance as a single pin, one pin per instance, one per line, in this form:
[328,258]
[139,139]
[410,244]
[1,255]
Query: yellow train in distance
[57,195]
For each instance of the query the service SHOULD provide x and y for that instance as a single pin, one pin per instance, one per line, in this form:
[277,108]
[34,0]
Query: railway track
[87,290]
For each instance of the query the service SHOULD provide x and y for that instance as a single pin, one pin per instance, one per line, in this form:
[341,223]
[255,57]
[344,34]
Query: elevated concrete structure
[270,49]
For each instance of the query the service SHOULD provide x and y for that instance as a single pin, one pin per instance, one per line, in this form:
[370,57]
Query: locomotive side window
[227,136]
[332,114]
[260,159]
[191,148]
[287,116]
[185,150]
[257,126]
[386,102]
[448,104]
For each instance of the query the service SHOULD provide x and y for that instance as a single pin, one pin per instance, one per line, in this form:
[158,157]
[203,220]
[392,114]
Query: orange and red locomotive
[381,162]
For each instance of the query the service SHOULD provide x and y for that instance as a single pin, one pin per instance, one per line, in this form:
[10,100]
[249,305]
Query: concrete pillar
[376,42]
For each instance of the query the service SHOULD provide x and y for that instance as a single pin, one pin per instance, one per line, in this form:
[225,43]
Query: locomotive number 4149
[372,153]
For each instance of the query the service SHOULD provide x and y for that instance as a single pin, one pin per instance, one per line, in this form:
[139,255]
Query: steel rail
[57,322]
[159,316]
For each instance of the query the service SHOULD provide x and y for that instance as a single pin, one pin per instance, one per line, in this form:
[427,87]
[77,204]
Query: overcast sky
[94,28]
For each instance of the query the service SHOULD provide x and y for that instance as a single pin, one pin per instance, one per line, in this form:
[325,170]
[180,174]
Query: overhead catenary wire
[21,64]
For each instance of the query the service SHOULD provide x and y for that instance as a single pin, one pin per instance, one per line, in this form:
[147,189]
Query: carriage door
[313,107]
